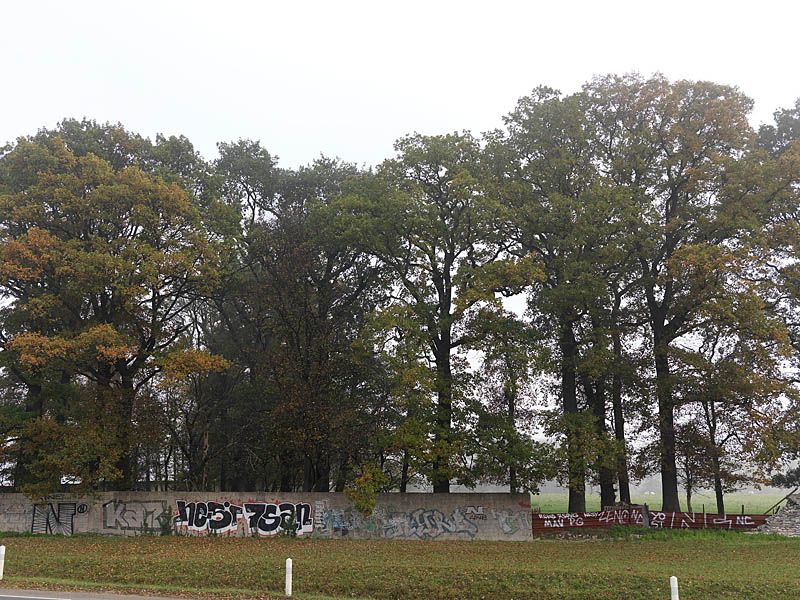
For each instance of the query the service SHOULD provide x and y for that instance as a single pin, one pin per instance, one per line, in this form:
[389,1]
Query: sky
[346,78]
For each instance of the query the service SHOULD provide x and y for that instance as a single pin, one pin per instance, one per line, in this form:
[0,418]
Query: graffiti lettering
[554,522]
[475,513]
[661,520]
[136,516]
[257,518]
[722,522]
[511,522]
[49,519]
[428,524]
[320,508]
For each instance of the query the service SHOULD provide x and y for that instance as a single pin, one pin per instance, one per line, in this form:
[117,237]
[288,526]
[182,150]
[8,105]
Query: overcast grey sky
[347,78]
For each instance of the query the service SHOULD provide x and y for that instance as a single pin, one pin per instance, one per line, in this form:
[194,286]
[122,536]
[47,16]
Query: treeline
[170,322]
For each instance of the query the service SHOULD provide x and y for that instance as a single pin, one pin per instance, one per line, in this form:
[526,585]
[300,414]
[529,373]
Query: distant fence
[549,522]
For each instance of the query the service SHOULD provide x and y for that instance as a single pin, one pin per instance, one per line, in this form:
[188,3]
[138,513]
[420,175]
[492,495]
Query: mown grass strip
[629,564]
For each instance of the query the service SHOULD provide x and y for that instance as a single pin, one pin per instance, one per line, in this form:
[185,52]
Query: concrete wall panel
[329,515]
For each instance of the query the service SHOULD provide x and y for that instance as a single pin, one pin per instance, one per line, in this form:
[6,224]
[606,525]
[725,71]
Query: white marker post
[288,576]
[2,560]
[673,588]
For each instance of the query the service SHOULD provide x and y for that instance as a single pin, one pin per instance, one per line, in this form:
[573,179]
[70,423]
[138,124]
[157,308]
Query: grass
[628,564]
[754,503]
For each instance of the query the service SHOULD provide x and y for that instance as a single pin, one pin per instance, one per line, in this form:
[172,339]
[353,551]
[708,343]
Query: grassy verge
[709,565]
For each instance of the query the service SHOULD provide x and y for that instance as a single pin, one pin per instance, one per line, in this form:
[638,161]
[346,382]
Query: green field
[754,503]
[709,565]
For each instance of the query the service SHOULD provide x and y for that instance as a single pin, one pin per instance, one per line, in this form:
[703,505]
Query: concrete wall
[329,515]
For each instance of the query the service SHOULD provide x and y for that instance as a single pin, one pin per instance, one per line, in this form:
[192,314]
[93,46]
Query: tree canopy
[604,288]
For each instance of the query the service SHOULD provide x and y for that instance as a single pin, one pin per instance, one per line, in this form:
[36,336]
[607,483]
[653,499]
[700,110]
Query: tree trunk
[718,483]
[322,482]
[510,393]
[689,495]
[308,474]
[444,416]
[576,468]
[608,495]
[127,460]
[404,473]
[316,473]
[147,480]
[341,476]
[167,462]
[288,468]
[595,395]
[619,424]
[513,487]
[710,410]
[670,501]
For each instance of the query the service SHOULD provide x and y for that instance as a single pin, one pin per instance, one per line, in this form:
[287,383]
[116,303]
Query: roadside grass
[754,503]
[628,563]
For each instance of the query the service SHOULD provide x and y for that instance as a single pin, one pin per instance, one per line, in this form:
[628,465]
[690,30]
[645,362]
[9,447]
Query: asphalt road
[9,594]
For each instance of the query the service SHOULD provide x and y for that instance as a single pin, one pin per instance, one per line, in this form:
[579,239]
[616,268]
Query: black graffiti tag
[262,518]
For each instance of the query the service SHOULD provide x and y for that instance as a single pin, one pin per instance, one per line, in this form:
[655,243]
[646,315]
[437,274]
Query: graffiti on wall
[462,522]
[682,520]
[476,513]
[510,522]
[410,517]
[256,518]
[589,520]
[142,517]
[56,519]
[635,516]
[429,524]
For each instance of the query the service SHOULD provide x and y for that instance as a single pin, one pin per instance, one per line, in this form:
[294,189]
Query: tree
[348,325]
[733,386]
[782,136]
[430,222]
[775,173]
[671,144]
[691,459]
[790,478]
[568,218]
[298,295]
[506,452]
[100,262]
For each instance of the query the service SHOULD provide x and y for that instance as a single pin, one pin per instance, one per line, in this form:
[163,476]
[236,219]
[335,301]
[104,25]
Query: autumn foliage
[605,288]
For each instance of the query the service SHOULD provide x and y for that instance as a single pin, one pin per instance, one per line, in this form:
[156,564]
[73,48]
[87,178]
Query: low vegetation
[625,564]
